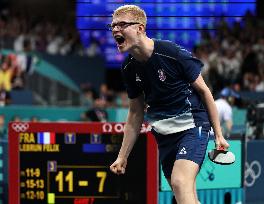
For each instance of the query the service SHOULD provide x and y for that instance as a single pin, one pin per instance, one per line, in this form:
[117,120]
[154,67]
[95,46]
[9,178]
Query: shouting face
[126,32]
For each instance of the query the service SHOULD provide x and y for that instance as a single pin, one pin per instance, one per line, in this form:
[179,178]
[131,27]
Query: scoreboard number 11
[69,180]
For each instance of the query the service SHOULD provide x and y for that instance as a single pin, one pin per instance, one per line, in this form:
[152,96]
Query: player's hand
[119,166]
[221,144]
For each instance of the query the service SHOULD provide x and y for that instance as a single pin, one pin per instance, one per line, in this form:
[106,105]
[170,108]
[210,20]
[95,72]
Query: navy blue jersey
[165,80]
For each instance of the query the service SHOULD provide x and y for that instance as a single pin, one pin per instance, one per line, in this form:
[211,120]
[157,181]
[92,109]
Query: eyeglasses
[121,25]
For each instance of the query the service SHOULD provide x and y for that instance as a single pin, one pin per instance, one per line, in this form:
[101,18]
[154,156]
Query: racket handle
[221,148]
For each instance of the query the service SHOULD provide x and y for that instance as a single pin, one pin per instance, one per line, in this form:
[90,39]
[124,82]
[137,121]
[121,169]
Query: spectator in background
[18,42]
[18,79]
[3,131]
[122,100]
[34,119]
[94,48]
[6,73]
[107,95]
[97,113]
[27,60]
[88,95]
[54,43]
[4,97]
[224,108]
[104,91]
[66,45]
[260,84]
[16,118]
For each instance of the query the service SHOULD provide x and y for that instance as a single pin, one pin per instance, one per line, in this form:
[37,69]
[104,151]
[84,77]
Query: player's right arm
[131,132]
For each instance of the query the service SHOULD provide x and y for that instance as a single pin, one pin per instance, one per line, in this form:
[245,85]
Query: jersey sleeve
[129,79]
[191,66]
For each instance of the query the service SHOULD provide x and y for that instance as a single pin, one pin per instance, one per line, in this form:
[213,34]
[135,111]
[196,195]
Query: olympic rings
[252,173]
[20,127]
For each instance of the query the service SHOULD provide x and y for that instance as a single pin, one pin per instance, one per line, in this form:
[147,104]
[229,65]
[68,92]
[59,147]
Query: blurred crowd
[97,102]
[234,55]
[14,69]
[11,77]
[43,35]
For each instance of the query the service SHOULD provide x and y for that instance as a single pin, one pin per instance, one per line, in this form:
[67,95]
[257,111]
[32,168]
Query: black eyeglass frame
[121,25]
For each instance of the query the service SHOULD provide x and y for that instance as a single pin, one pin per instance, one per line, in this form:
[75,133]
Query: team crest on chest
[162,75]
[138,78]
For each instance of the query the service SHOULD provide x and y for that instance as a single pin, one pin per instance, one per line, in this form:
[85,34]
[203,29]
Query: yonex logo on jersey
[137,78]
[183,151]
[162,75]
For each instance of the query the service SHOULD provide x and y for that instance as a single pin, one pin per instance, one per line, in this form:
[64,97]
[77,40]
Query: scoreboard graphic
[58,163]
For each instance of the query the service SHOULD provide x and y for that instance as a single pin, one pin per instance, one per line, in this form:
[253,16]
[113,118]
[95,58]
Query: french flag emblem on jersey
[46,138]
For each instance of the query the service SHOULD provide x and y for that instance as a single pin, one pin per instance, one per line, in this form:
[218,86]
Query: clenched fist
[119,166]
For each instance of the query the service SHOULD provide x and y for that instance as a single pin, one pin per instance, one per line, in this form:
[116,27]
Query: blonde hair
[138,13]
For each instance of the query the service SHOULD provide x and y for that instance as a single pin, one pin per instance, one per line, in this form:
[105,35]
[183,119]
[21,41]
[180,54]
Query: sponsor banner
[119,127]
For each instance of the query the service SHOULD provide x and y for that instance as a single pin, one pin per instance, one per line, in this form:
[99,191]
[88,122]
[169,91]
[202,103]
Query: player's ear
[141,28]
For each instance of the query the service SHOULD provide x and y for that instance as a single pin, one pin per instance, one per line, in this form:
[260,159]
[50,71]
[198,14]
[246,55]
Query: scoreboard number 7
[69,180]
[102,176]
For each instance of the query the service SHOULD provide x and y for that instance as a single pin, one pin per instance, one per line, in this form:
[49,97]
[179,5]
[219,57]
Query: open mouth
[119,39]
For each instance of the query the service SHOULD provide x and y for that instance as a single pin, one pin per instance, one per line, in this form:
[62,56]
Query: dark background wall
[260,8]
[80,69]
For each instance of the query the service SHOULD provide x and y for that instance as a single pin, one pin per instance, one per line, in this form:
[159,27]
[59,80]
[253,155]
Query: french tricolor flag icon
[46,138]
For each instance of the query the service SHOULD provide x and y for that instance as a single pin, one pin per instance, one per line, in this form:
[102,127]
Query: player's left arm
[205,93]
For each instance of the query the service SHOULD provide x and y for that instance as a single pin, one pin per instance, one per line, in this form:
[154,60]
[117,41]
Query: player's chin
[122,49]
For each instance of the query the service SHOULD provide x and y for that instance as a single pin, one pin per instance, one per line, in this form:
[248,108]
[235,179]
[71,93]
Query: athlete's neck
[143,52]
